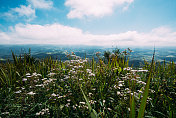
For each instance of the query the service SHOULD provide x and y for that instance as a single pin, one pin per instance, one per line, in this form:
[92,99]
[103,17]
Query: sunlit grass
[86,88]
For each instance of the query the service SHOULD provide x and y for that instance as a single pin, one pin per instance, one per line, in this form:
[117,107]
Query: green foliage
[132,107]
[93,113]
[86,88]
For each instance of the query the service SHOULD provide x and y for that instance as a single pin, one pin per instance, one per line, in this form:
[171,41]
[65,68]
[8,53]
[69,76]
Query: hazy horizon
[60,52]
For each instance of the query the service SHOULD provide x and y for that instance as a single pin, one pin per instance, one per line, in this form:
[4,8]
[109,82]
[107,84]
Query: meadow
[83,87]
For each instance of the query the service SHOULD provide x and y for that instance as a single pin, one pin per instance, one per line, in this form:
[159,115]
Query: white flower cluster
[42,112]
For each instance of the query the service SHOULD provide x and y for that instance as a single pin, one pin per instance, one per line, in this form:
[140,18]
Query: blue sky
[88,22]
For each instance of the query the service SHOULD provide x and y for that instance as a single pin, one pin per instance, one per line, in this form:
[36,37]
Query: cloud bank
[95,8]
[65,35]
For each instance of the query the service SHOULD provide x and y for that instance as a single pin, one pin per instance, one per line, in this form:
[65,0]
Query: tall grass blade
[5,77]
[132,107]
[14,58]
[93,113]
[146,91]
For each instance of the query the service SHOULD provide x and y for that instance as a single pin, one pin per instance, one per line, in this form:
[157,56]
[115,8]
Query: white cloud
[60,34]
[8,14]
[41,4]
[96,8]
[22,11]
[25,11]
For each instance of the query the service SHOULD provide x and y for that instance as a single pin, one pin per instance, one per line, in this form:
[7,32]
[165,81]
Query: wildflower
[134,70]
[24,79]
[118,93]
[93,89]
[88,70]
[84,61]
[37,114]
[45,110]
[127,89]
[35,81]
[53,79]
[39,75]
[149,99]
[128,68]
[44,79]
[51,74]
[121,81]
[28,74]
[62,80]
[152,91]
[34,74]
[18,91]
[143,83]
[120,85]
[92,75]
[109,109]
[76,67]
[22,88]
[80,66]
[5,113]
[68,100]
[60,97]
[140,91]
[82,102]
[74,107]
[92,102]
[142,70]
[90,94]
[138,77]
[39,85]
[54,95]
[66,77]
[128,109]
[67,105]
[42,113]
[72,72]
[116,87]
[86,107]
[31,93]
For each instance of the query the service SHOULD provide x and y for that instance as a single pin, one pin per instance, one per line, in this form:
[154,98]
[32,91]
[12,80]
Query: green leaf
[146,91]
[93,113]
[132,107]
[5,76]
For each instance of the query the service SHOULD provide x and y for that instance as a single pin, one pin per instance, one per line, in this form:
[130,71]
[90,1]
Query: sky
[88,22]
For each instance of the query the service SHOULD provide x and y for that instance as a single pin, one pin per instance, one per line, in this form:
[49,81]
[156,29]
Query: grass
[86,88]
